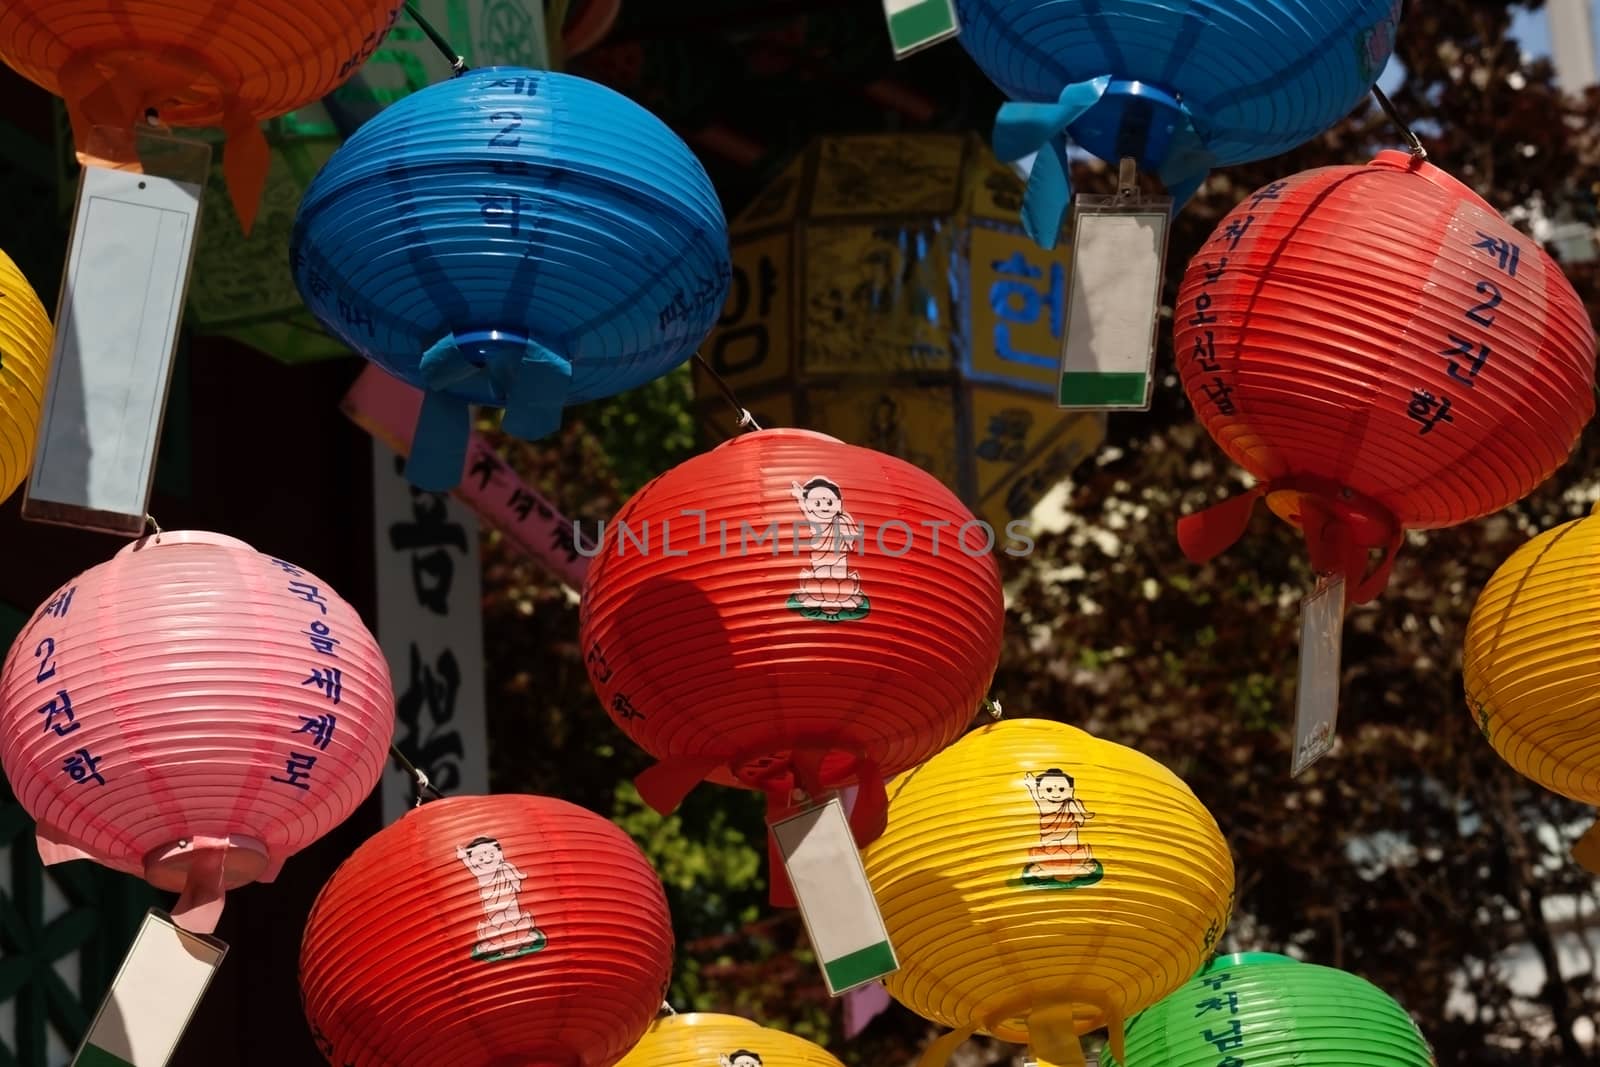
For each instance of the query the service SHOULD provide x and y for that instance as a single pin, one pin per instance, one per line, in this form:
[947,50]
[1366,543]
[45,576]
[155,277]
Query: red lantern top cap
[1394,159]
[184,537]
[788,432]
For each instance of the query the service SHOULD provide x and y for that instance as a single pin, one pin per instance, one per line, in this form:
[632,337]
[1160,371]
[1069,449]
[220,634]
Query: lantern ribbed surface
[1383,352]
[487,931]
[809,634]
[26,339]
[706,1039]
[1264,1009]
[198,63]
[1040,883]
[193,712]
[1532,682]
[1181,86]
[512,237]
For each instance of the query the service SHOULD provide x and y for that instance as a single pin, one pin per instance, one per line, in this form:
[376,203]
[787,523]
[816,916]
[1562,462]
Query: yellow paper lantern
[1532,680]
[884,293]
[26,338]
[1040,883]
[706,1039]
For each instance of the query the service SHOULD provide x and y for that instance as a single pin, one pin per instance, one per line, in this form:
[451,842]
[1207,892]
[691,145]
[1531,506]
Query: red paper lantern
[499,931]
[1383,352]
[193,712]
[791,612]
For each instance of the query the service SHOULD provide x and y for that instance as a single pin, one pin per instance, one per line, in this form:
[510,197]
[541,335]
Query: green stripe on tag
[95,1056]
[1086,389]
[922,24]
[861,966]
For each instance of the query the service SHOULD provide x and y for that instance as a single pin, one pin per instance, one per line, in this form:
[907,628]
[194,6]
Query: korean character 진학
[330,680]
[60,704]
[1220,393]
[1228,1038]
[1228,1002]
[60,604]
[1506,252]
[321,638]
[288,568]
[320,727]
[1428,409]
[296,767]
[1474,361]
[1028,307]
[310,594]
[81,767]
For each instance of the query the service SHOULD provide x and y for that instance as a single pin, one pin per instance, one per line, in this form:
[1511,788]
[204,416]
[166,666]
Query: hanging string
[458,62]
[746,420]
[1394,117]
[424,787]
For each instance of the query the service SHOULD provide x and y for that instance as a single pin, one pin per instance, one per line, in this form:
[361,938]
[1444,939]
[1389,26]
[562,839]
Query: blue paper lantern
[1181,86]
[517,238]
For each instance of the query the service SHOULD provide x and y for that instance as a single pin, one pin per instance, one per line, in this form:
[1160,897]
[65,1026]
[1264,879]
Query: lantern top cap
[183,537]
[787,432]
[1394,159]
[1246,959]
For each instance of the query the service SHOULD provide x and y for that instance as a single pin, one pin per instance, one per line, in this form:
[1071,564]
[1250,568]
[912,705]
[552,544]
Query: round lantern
[1040,883]
[26,339]
[499,239]
[1259,1007]
[704,1039]
[1178,86]
[809,615]
[194,63]
[487,931]
[193,712]
[1382,352]
[1529,663]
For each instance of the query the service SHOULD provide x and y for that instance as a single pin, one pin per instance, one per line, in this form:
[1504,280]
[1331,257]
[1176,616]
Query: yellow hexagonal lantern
[1040,883]
[706,1039]
[885,294]
[1529,665]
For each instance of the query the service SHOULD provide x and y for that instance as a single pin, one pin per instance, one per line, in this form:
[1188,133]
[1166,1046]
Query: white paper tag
[1316,702]
[836,902]
[116,337]
[1114,304]
[918,24]
[153,997]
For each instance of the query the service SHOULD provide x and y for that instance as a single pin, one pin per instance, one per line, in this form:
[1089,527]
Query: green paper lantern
[1265,1010]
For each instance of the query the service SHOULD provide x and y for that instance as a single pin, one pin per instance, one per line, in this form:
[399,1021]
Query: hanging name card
[153,997]
[1316,702]
[918,24]
[122,298]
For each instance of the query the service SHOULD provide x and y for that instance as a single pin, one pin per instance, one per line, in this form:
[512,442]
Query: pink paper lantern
[193,712]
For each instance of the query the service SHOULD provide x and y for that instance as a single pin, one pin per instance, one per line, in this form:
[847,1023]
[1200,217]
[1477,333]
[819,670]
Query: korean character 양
[1506,252]
[60,704]
[310,594]
[1228,1038]
[1033,302]
[1210,1004]
[297,766]
[288,568]
[1205,352]
[329,680]
[1474,362]
[625,709]
[60,604]
[80,767]
[1220,393]
[320,640]
[320,727]
[1422,408]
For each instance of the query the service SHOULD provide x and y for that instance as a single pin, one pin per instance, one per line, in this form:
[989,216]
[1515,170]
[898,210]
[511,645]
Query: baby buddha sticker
[743,1058]
[1061,860]
[506,931]
[829,589]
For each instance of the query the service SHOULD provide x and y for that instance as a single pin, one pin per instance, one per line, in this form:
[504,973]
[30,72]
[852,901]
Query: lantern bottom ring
[814,771]
[242,860]
[1371,525]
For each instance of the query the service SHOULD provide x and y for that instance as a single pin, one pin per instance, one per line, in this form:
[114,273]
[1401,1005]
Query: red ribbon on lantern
[730,658]
[1383,352]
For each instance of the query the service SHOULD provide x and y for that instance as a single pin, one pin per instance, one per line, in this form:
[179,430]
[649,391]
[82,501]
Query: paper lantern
[494,239]
[792,624]
[1040,883]
[1259,1007]
[705,1039]
[1181,87]
[1529,664]
[26,339]
[193,712]
[196,64]
[1382,352]
[487,931]
[884,293]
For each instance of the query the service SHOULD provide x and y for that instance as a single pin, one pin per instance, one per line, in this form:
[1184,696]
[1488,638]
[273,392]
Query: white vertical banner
[430,624]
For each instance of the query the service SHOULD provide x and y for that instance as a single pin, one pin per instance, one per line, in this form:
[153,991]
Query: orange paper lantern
[807,614]
[1383,352]
[487,932]
[195,63]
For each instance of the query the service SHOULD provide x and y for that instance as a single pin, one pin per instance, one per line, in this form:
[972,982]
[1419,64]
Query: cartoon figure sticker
[1061,860]
[506,931]
[829,589]
[743,1058]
